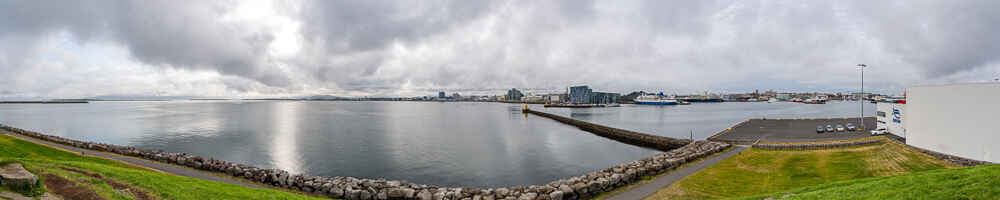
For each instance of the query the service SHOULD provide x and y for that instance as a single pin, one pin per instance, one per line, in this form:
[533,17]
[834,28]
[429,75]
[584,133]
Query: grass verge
[756,171]
[980,182]
[111,179]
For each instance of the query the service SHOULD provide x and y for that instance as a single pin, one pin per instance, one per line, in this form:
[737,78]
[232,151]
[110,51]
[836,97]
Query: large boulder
[425,195]
[15,175]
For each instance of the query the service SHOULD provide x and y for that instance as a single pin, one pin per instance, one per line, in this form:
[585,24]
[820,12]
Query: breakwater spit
[629,137]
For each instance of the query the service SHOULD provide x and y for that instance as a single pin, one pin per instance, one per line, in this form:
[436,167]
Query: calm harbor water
[450,144]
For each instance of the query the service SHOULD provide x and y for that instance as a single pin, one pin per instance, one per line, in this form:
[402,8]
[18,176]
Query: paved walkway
[167,168]
[648,188]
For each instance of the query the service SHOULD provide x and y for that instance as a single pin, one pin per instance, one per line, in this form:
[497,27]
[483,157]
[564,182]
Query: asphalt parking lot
[793,130]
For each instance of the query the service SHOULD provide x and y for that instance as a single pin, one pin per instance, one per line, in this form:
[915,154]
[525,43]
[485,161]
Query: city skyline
[83,49]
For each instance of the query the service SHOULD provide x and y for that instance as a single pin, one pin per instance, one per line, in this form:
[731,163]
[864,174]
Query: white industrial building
[959,119]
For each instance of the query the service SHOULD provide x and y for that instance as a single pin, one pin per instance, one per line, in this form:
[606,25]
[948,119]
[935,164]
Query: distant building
[784,96]
[514,95]
[770,94]
[860,96]
[735,97]
[604,97]
[584,95]
[534,98]
[555,98]
[441,95]
[579,94]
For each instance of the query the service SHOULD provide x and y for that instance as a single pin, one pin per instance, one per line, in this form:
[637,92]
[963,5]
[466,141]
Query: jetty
[625,136]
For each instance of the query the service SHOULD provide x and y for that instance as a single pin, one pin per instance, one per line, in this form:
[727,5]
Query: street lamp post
[861,97]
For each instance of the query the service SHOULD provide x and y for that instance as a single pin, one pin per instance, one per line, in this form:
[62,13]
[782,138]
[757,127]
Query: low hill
[980,182]
[758,171]
[73,176]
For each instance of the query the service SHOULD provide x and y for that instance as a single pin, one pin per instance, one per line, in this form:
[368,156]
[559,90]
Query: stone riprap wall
[950,158]
[579,187]
[815,146]
[629,137]
[734,142]
[895,137]
[713,137]
[730,129]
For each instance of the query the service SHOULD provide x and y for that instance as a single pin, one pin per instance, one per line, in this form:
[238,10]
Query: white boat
[658,99]
[772,100]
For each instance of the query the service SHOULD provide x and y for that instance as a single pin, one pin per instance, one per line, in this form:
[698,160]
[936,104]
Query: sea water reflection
[450,144]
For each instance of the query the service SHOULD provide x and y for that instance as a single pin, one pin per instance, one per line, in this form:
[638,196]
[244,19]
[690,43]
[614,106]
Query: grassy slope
[981,182]
[756,171]
[41,159]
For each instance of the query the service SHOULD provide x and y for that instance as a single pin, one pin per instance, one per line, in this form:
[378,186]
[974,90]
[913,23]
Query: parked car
[879,131]
[851,127]
[829,128]
[840,127]
[820,129]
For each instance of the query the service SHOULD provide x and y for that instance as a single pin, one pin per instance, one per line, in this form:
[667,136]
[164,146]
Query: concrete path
[162,167]
[648,188]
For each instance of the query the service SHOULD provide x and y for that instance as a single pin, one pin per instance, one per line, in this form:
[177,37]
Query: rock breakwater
[957,160]
[629,137]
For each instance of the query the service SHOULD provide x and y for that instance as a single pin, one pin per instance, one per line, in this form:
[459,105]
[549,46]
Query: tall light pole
[861,97]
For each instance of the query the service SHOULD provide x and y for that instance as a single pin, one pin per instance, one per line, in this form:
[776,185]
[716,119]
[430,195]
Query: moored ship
[657,99]
[703,99]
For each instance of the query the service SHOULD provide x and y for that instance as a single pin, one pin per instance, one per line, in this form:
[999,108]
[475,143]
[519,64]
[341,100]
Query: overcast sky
[74,49]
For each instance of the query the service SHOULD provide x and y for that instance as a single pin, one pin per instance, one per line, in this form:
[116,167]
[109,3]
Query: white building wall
[891,117]
[961,120]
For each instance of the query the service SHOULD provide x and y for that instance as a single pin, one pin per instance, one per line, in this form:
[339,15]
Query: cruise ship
[657,99]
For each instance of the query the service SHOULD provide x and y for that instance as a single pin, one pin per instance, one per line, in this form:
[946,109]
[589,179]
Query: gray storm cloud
[941,37]
[389,47]
[164,33]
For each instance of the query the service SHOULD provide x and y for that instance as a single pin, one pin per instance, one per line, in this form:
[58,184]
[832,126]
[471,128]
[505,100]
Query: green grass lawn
[757,172]
[42,160]
[980,182]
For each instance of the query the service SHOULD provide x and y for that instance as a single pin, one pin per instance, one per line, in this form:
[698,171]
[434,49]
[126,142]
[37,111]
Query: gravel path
[167,168]
[648,188]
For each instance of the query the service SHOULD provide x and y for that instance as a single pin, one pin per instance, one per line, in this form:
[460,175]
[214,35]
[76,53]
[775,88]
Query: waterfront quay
[791,130]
